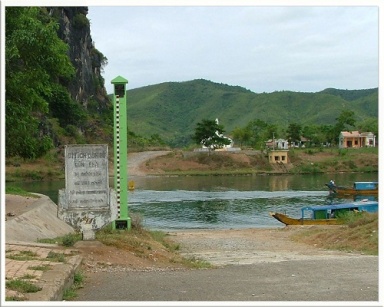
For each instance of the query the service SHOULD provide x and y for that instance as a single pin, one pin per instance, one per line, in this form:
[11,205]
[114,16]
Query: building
[355,139]
[278,156]
[277,144]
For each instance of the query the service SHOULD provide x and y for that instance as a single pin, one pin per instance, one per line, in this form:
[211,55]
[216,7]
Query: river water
[219,202]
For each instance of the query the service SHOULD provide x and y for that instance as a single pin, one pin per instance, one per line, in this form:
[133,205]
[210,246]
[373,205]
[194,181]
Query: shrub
[136,221]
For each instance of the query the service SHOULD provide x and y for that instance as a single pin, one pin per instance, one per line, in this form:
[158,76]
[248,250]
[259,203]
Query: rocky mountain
[74,29]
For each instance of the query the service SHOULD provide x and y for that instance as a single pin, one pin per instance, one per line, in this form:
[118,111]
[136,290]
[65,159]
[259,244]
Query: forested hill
[55,94]
[173,109]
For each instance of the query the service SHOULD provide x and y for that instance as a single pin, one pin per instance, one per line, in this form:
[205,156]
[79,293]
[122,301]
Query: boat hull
[291,221]
[351,191]
[355,192]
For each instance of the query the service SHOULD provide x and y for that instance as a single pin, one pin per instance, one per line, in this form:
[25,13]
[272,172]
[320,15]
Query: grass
[28,276]
[358,234]
[142,243]
[22,286]
[23,256]
[67,240]
[78,281]
[29,255]
[56,257]
[19,191]
[44,268]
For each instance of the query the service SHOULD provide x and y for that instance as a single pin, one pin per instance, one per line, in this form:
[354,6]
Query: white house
[277,144]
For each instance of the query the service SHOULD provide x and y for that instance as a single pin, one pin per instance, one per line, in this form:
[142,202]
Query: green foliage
[40,112]
[349,95]
[22,286]
[80,21]
[173,109]
[138,142]
[210,134]
[67,240]
[34,59]
[44,268]
[259,132]
[55,257]
[242,135]
[78,282]
[62,107]
[369,124]
[294,132]
[19,191]
[23,256]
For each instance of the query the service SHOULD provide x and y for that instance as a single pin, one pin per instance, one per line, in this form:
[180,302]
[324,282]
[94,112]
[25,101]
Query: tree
[259,132]
[317,135]
[294,132]
[210,134]
[35,61]
[369,125]
[242,135]
[345,122]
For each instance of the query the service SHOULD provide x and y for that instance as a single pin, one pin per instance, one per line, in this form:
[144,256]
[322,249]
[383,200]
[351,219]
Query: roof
[356,134]
[350,133]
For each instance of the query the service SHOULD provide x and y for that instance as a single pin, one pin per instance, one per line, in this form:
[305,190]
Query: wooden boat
[359,188]
[326,215]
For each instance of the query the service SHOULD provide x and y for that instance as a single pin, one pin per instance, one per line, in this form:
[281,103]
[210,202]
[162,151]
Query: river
[219,202]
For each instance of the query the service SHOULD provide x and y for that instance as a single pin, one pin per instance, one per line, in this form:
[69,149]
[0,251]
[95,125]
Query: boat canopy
[321,210]
[360,204]
[372,185]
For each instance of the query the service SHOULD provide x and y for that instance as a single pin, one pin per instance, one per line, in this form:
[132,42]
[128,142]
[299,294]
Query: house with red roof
[356,139]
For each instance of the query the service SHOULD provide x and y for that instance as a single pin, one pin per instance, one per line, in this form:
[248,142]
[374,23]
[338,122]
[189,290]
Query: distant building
[300,143]
[276,144]
[355,139]
[278,156]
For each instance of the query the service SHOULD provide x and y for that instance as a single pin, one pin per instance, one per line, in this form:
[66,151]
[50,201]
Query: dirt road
[251,246]
[136,159]
[251,265]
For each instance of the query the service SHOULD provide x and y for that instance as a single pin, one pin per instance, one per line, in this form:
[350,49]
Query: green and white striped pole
[123,220]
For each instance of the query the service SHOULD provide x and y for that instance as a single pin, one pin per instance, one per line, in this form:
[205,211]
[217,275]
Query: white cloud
[260,48]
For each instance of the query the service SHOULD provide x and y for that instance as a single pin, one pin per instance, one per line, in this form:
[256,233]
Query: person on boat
[332,183]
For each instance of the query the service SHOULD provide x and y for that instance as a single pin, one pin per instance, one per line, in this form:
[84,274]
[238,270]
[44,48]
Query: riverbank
[139,252]
[187,163]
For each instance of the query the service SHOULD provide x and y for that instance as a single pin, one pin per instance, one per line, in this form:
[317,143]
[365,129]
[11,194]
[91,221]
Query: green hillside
[172,109]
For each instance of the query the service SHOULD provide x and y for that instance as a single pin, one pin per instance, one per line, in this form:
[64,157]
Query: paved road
[344,279]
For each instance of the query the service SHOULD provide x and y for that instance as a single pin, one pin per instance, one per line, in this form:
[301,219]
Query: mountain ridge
[172,109]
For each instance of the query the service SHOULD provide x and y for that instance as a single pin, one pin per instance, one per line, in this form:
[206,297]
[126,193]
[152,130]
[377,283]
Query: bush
[136,221]
[68,240]
[80,21]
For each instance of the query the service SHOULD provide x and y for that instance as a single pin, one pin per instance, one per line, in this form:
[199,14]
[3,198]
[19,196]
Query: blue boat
[328,214]
[359,188]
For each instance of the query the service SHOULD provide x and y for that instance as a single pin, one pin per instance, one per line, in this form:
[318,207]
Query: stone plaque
[86,176]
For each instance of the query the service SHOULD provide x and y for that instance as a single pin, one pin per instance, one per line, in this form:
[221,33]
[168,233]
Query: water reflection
[220,201]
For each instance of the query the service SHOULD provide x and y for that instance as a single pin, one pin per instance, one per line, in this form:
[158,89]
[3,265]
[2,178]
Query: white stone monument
[87,203]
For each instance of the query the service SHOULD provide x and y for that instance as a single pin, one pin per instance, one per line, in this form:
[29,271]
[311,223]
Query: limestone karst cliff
[74,29]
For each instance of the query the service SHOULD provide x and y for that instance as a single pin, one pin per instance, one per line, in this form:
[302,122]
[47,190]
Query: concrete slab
[40,222]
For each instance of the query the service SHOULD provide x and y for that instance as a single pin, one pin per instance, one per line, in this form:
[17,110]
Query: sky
[260,48]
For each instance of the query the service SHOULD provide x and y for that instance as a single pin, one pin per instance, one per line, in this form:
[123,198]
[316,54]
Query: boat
[359,188]
[326,214]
